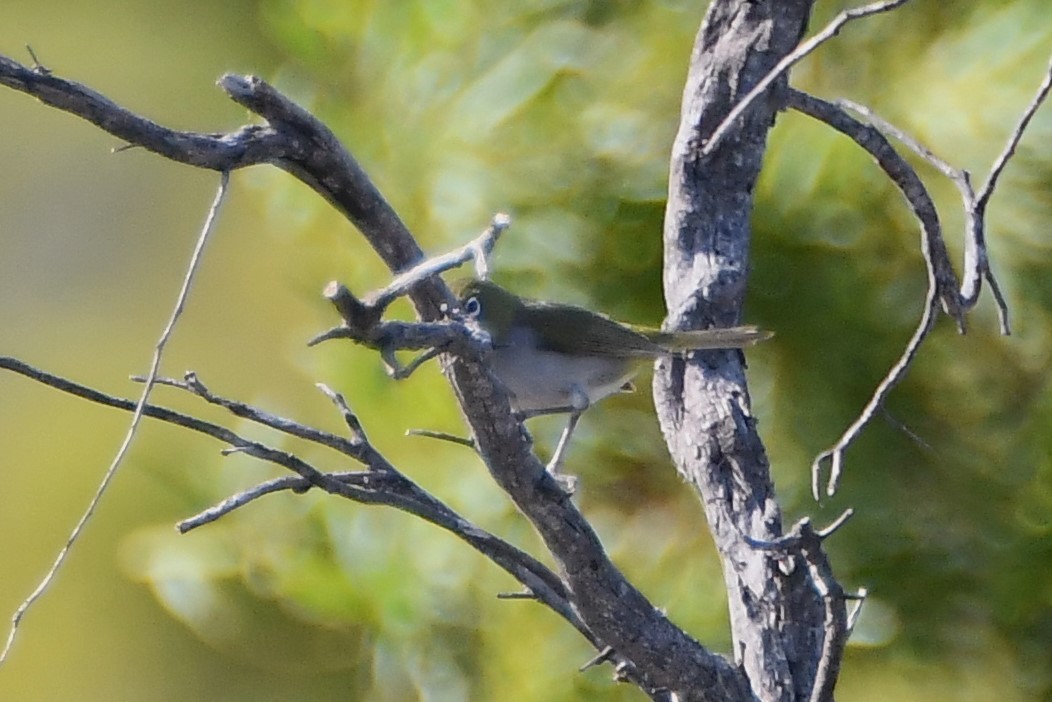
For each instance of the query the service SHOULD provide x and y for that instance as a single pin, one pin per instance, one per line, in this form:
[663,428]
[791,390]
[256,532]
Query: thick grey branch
[777,619]
[220,152]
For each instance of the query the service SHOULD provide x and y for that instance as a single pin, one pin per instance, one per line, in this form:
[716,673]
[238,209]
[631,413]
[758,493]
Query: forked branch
[381,483]
[944,291]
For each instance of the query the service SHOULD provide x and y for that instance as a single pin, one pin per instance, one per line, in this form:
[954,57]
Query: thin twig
[985,192]
[137,415]
[37,66]
[443,436]
[523,595]
[854,614]
[288,482]
[477,250]
[400,371]
[943,288]
[837,523]
[366,480]
[192,384]
[358,436]
[835,454]
[598,659]
[953,173]
[384,487]
[1013,141]
[790,59]
[913,436]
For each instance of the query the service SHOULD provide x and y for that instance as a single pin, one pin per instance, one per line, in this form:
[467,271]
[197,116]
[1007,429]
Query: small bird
[556,358]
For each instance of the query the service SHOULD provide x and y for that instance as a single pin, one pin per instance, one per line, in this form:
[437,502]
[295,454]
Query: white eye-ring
[472,306]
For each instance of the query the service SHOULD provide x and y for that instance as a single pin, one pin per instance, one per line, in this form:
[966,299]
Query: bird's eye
[472,306]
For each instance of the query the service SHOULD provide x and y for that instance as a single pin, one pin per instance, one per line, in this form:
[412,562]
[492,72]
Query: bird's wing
[584,332]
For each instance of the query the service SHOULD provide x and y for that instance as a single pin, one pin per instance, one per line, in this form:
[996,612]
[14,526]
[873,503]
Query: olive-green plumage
[557,357]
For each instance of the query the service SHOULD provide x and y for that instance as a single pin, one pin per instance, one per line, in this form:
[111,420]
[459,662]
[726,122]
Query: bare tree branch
[789,624]
[477,250]
[1013,141]
[788,61]
[942,281]
[362,325]
[976,261]
[943,289]
[213,151]
[288,482]
[362,318]
[804,541]
[293,140]
[381,484]
[133,426]
[703,402]
[618,615]
[941,275]
[442,436]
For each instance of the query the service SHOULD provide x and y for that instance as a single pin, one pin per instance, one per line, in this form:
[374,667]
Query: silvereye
[556,358]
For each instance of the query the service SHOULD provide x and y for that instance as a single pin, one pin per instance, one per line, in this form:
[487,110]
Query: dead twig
[137,414]
[944,291]
[788,61]
[382,484]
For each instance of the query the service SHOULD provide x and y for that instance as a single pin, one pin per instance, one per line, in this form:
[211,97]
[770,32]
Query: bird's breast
[544,380]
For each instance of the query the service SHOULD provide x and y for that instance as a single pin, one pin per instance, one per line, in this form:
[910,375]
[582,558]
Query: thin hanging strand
[118,459]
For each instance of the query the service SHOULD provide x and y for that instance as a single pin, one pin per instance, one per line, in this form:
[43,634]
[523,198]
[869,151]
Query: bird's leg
[555,464]
[580,403]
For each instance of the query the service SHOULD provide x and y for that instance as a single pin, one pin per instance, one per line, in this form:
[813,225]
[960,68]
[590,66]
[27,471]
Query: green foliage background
[562,113]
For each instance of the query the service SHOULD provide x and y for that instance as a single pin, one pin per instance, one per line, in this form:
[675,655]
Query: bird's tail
[696,339]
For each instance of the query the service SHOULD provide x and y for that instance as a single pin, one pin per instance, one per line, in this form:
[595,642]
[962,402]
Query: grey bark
[703,402]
